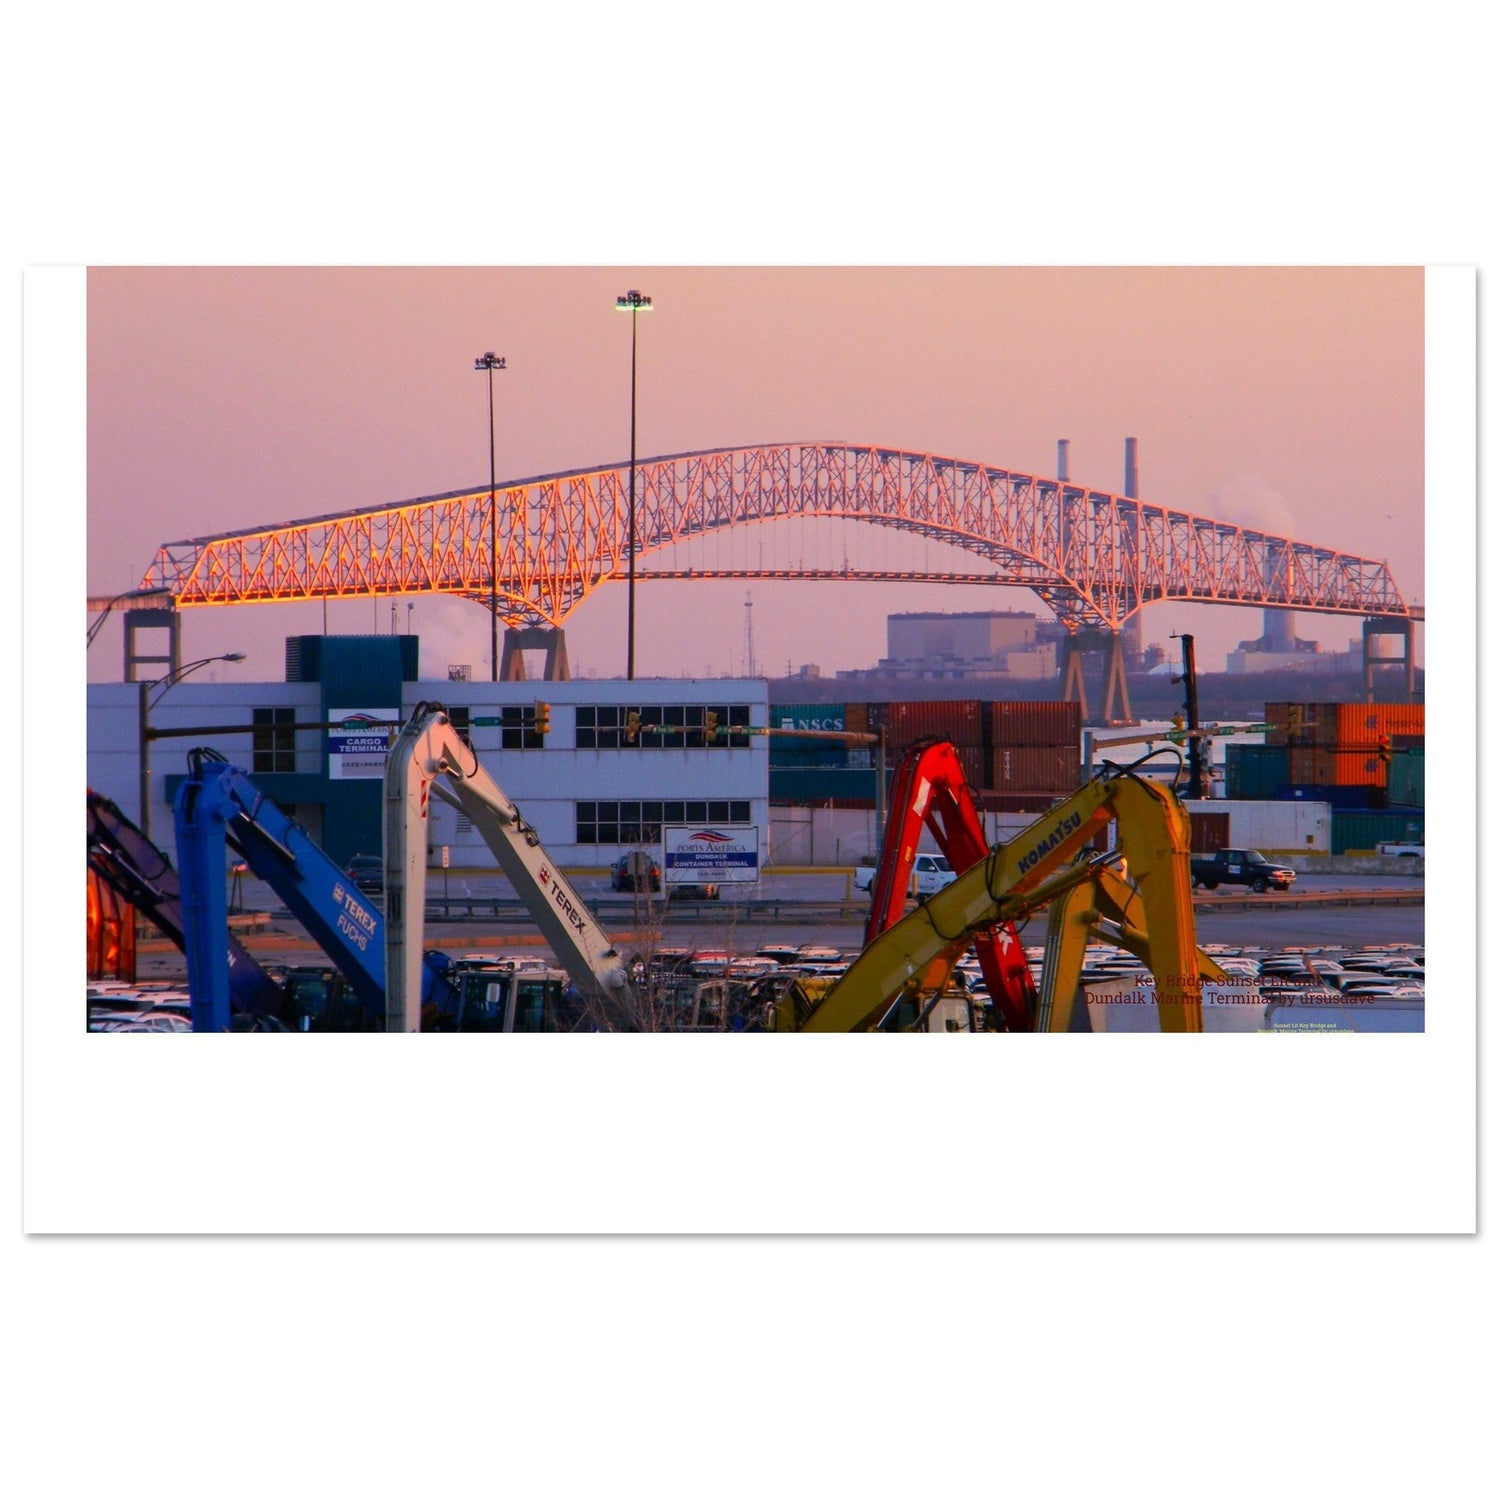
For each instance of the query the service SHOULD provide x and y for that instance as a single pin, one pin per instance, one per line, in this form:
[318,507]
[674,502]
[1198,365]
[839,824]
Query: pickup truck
[1241,867]
[1403,850]
[929,874]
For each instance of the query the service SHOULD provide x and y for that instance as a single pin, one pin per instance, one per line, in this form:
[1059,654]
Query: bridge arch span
[1094,557]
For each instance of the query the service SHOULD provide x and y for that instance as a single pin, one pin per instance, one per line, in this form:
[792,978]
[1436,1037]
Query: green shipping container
[820,784]
[1253,772]
[1407,786]
[1359,832]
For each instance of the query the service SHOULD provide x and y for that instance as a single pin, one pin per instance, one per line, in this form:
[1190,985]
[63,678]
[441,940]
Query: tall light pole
[490,362]
[632,302]
[146,703]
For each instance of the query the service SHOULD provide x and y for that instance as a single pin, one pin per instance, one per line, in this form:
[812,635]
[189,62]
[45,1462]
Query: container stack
[1033,755]
[961,721]
[1016,757]
[1339,746]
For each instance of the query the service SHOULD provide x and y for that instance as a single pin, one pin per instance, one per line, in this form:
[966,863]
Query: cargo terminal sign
[724,854]
[357,747]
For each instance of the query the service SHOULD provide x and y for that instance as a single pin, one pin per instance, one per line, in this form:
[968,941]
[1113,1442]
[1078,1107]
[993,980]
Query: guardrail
[776,909]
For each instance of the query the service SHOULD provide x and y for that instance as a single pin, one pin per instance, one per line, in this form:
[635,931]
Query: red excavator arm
[930,787]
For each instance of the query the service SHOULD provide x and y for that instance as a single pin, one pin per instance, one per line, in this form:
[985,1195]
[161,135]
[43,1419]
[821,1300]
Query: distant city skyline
[1286,398]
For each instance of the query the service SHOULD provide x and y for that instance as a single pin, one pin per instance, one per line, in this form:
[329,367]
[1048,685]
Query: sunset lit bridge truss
[1093,557]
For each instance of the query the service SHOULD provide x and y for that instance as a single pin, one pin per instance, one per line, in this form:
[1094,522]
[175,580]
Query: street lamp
[146,703]
[632,302]
[490,362]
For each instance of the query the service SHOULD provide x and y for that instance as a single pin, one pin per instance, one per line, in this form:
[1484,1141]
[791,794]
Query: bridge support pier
[1116,692]
[1380,630]
[520,639]
[137,620]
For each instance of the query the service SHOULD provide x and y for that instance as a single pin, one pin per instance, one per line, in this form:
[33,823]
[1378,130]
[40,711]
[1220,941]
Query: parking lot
[802,908]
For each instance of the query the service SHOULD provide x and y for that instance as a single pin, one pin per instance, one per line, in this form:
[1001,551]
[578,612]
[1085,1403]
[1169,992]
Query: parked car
[635,871]
[367,871]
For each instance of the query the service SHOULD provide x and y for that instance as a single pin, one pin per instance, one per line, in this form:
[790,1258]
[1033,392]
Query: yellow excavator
[1138,895]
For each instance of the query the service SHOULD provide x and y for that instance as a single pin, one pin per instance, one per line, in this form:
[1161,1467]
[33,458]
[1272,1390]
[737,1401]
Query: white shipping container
[1275,827]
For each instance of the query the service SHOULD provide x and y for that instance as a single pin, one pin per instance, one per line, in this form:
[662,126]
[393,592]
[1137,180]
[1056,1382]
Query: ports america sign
[722,853]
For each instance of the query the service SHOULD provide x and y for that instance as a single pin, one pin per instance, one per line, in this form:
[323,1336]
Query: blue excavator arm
[217,803]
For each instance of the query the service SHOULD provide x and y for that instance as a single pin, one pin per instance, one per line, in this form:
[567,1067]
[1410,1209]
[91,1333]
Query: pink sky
[227,398]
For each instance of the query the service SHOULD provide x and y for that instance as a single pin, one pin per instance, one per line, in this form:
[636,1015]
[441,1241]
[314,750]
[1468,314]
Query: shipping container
[827,716]
[799,752]
[1335,765]
[822,784]
[1406,785]
[1359,832]
[961,721]
[1365,723]
[1034,803]
[1034,723]
[857,718]
[1210,831]
[1253,772]
[1353,798]
[1034,768]
[971,759]
[1303,827]
[1347,724]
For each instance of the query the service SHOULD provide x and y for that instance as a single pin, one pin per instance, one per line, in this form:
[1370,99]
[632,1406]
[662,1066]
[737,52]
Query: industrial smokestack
[1132,491]
[1280,630]
[1062,459]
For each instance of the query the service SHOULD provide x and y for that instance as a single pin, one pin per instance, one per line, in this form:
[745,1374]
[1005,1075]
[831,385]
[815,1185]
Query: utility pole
[632,302]
[489,362]
[1196,788]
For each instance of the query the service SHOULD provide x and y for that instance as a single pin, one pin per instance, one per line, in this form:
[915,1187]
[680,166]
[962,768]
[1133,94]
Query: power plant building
[979,644]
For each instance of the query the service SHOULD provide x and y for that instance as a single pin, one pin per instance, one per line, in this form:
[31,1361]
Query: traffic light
[632,727]
[543,717]
[710,725]
[1384,749]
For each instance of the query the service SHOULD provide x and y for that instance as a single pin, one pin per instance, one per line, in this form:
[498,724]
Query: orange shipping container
[1342,724]
[1335,765]
[1364,723]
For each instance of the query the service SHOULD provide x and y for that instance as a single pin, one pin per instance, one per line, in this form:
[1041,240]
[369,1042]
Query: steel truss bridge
[1093,557]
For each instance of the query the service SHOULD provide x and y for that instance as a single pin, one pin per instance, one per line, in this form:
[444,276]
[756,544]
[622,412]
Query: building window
[459,719]
[663,726]
[518,729]
[642,822]
[274,740]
